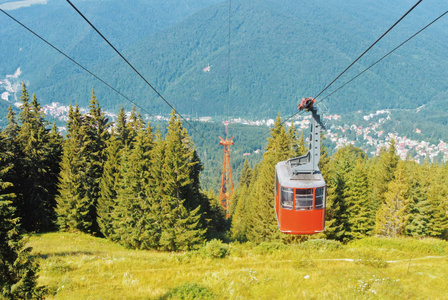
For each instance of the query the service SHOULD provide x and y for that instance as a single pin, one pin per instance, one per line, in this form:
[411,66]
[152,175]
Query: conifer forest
[127,182]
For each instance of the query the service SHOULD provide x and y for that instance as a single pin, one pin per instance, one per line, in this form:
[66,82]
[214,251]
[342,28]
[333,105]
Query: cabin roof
[304,180]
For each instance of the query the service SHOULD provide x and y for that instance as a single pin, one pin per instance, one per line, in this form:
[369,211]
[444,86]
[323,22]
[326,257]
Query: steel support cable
[376,62]
[362,54]
[133,68]
[75,62]
[370,47]
[389,53]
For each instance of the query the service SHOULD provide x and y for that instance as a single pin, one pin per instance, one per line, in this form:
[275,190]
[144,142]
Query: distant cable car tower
[226,193]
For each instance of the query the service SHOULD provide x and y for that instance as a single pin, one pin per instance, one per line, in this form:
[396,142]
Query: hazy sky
[19,4]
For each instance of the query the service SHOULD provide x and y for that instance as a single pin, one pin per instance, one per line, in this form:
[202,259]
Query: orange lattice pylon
[226,193]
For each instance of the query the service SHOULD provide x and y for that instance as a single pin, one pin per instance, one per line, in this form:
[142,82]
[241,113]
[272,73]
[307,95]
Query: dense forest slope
[126,22]
[279,52]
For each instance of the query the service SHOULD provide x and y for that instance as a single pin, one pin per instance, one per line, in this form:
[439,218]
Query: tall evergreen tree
[337,216]
[419,205]
[82,169]
[437,198]
[9,145]
[108,186]
[135,124]
[155,191]
[73,204]
[122,128]
[134,215]
[35,167]
[181,211]
[383,172]
[393,213]
[18,270]
[238,212]
[12,128]
[261,222]
[180,161]
[97,126]
[361,218]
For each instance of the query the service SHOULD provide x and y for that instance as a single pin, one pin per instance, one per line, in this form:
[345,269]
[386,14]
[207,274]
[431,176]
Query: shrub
[431,246]
[189,291]
[268,248]
[215,249]
[322,244]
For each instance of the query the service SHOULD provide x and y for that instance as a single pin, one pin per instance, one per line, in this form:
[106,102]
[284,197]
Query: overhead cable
[133,68]
[370,47]
[390,52]
[75,62]
[362,54]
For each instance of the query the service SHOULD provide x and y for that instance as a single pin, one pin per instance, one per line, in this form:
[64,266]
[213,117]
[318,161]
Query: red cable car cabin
[299,201]
[300,188]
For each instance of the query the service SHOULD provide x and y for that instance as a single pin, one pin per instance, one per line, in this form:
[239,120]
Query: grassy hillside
[75,266]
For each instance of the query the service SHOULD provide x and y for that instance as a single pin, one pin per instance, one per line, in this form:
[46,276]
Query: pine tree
[419,206]
[82,169]
[216,223]
[122,129]
[156,189]
[18,270]
[336,218]
[261,222]
[9,145]
[179,207]
[180,161]
[245,179]
[383,172]
[437,198]
[239,225]
[337,225]
[97,126]
[108,186]
[134,215]
[360,215]
[73,204]
[12,128]
[35,184]
[393,214]
[135,124]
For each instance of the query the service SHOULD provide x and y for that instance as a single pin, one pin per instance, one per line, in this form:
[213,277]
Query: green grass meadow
[79,266]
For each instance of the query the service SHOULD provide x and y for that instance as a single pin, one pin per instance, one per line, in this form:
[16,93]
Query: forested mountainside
[279,52]
[126,22]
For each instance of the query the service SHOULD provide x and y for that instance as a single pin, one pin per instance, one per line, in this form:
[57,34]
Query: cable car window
[320,198]
[287,198]
[304,199]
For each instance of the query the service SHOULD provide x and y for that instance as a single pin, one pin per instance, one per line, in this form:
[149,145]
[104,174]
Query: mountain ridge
[280,52]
